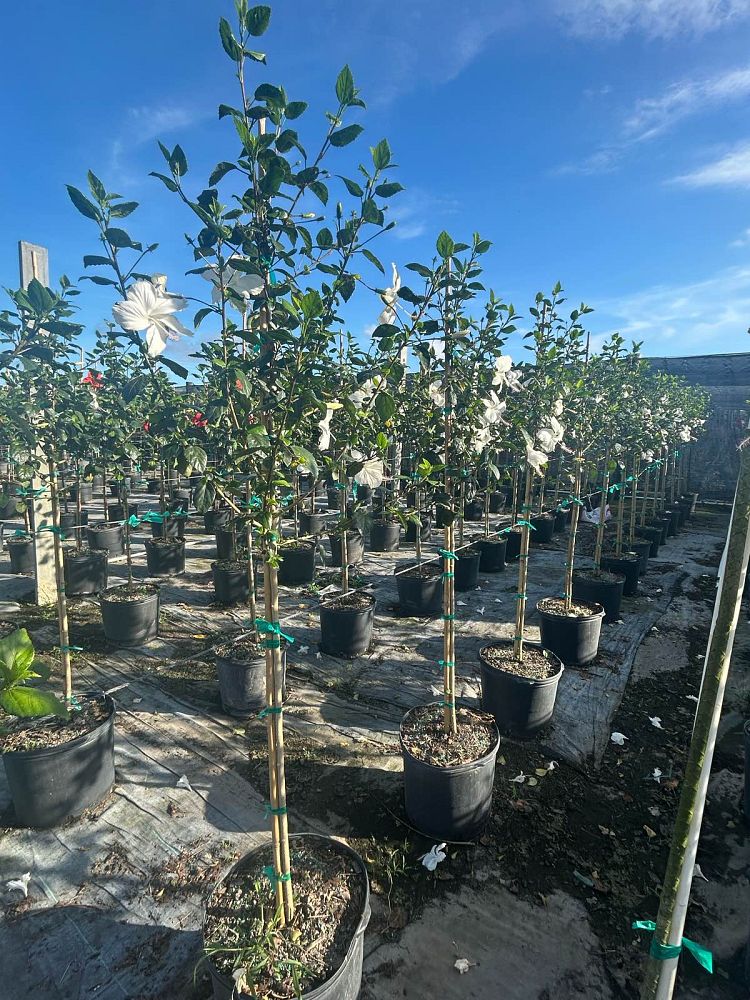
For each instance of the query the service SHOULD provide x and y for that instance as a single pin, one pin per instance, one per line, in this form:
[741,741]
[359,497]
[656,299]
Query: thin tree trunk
[574,515]
[62,604]
[602,513]
[523,569]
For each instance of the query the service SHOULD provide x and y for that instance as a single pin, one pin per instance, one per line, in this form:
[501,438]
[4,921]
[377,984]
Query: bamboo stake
[644,498]
[449,607]
[602,512]
[574,515]
[619,512]
[523,570]
[104,494]
[79,508]
[344,539]
[670,922]
[62,604]
[634,500]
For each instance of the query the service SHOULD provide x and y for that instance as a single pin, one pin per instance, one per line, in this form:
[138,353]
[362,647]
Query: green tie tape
[446,663]
[447,704]
[270,811]
[270,710]
[449,618]
[446,554]
[661,952]
[275,877]
[524,524]
[448,576]
[53,529]
[272,629]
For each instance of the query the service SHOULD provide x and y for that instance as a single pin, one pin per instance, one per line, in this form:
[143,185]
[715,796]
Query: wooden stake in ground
[523,569]
[602,514]
[62,605]
[574,515]
[675,897]
[449,604]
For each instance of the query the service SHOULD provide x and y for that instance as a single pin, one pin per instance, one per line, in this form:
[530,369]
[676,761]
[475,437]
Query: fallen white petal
[619,739]
[182,782]
[551,766]
[481,611]
[655,721]
[697,873]
[461,603]
[433,857]
[22,884]
[462,965]
[519,778]
[303,649]
[656,775]
[692,697]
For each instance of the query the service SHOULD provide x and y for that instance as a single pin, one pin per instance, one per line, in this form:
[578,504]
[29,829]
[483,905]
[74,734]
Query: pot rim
[348,611]
[404,564]
[622,579]
[71,744]
[578,618]
[136,600]
[361,926]
[224,569]
[531,681]
[452,768]
[162,540]
[73,555]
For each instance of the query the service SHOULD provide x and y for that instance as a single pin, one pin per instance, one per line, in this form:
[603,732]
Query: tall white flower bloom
[245,285]
[324,441]
[436,394]
[482,438]
[536,459]
[149,307]
[494,408]
[549,437]
[364,394]
[390,297]
[502,366]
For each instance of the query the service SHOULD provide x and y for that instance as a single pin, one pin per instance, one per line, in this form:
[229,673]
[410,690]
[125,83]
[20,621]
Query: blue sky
[605,143]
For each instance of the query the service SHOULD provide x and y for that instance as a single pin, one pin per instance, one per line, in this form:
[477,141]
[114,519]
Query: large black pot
[230,584]
[116,489]
[165,558]
[425,530]
[466,569]
[521,705]
[346,631]
[224,547]
[473,511]
[642,549]
[334,498]
[448,803]
[385,536]
[86,491]
[110,537]
[85,572]
[51,784]
[513,545]
[497,502]
[654,537]
[297,564]
[130,623]
[116,511]
[562,516]
[153,485]
[70,520]
[214,519]
[311,524]
[627,565]
[573,638]
[362,493]
[21,552]
[181,498]
[242,684]
[355,548]
[662,523]
[608,593]
[544,528]
[418,596]
[492,554]
[346,981]
[173,527]
[674,520]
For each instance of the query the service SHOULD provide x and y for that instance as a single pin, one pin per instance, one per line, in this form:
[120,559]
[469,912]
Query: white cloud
[743,240]
[417,212]
[613,19]
[698,317]
[730,170]
[145,124]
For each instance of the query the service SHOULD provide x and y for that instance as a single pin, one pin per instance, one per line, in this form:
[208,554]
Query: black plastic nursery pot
[627,565]
[497,502]
[214,519]
[512,545]
[674,520]
[385,536]
[51,784]
[181,497]
[130,618]
[70,520]
[346,981]
[521,706]
[85,572]
[172,527]
[466,568]
[165,556]
[654,537]
[355,548]
[662,523]
[98,481]
[110,537]
[116,488]
[86,490]
[442,516]
[491,554]
[347,630]
[448,803]
[419,596]
[242,683]
[544,528]
[334,498]
[573,638]
[228,547]
[116,511]
[311,524]
[21,552]
[363,493]
[642,549]
[425,530]
[605,590]
[230,582]
[297,564]
[474,511]
[153,485]
[561,519]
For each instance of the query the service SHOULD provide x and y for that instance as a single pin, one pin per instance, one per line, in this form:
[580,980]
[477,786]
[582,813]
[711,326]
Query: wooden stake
[523,569]
[602,512]
[574,515]
[62,604]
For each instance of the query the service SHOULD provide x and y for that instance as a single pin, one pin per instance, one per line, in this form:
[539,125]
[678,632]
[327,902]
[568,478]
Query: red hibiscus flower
[238,383]
[199,420]
[146,426]
[94,380]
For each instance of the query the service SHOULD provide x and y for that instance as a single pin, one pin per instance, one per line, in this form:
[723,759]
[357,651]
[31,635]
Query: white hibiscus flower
[149,307]
[246,285]
[436,394]
[536,459]
[324,442]
[371,474]
[390,297]
[494,408]
[503,365]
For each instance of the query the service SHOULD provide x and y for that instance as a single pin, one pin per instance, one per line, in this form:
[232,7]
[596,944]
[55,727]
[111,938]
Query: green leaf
[98,279]
[324,238]
[352,187]
[320,191]
[270,94]
[388,189]
[118,238]
[257,20]
[273,178]
[16,656]
[91,260]
[373,259]
[27,702]
[229,42]
[134,388]
[201,315]
[345,90]
[346,135]
[226,109]
[408,295]
[346,286]
[445,245]
[173,366]
[381,155]
[385,405]
[205,495]
[295,108]
[306,459]
[371,213]
[124,209]
[195,457]
[178,161]
[97,188]
[259,57]
[420,269]
[219,171]
[81,202]
[166,181]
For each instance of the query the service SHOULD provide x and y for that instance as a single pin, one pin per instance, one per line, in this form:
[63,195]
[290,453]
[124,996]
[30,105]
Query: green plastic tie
[449,618]
[523,555]
[271,628]
[446,554]
[661,952]
[133,521]
[524,524]
[447,663]
[275,877]
[447,704]
[447,410]
[448,576]
[53,529]
[270,811]
[521,597]
[270,710]
[20,533]
[24,492]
